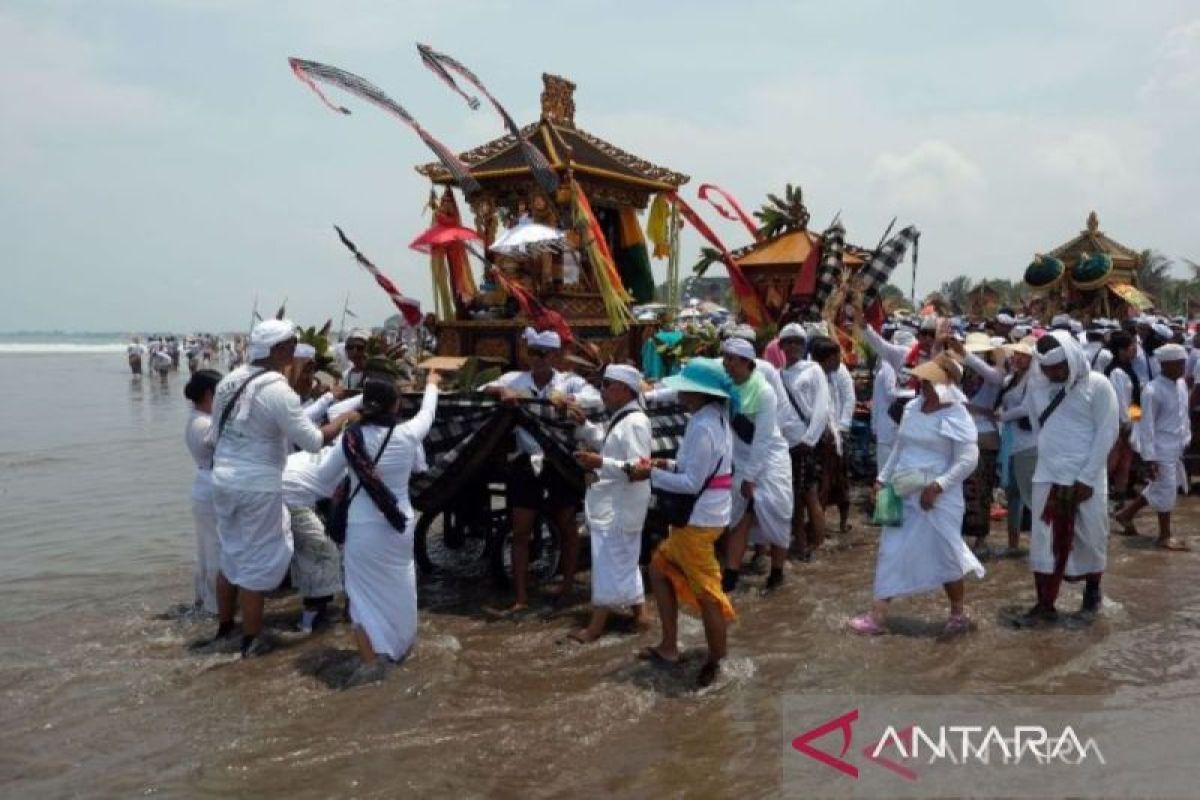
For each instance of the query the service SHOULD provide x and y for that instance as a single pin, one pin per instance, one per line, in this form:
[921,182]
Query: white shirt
[1074,444]
[893,354]
[394,468]
[941,444]
[841,385]
[315,410]
[808,387]
[251,452]
[785,412]
[1012,409]
[1123,386]
[1165,428]
[566,383]
[613,501]
[752,459]
[707,441]
[985,395]
[196,436]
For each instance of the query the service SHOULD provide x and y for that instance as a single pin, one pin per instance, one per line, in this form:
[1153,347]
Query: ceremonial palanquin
[600,190]
[1090,276]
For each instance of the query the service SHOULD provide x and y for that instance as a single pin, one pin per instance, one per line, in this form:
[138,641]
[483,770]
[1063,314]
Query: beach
[102,699]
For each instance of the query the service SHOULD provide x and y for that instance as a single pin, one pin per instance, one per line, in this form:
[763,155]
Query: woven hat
[703,375]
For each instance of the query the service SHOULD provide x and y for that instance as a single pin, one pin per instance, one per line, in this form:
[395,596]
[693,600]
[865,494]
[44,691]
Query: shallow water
[101,699]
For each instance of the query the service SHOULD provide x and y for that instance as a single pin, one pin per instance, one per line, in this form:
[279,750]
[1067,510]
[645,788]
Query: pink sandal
[956,624]
[866,625]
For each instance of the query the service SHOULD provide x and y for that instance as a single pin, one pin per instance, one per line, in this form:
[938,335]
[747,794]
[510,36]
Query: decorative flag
[409,308]
[875,274]
[738,212]
[441,65]
[309,72]
[282,312]
[608,280]
[748,299]
[658,226]
[829,275]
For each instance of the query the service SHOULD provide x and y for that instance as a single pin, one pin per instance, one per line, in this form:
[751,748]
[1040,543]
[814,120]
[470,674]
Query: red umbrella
[441,236]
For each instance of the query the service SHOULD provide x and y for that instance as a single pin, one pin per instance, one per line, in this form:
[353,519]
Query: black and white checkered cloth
[829,274]
[875,274]
[468,432]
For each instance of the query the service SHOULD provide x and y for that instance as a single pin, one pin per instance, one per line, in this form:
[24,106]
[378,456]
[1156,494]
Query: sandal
[866,625]
[956,624]
[1174,545]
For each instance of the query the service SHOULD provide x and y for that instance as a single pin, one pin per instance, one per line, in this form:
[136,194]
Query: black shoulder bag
[225,412]
[339,510]
[676,508]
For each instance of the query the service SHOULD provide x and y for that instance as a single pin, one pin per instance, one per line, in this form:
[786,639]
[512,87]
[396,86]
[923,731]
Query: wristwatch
[627,468]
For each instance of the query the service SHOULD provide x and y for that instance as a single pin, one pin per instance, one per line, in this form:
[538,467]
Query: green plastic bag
[889,509]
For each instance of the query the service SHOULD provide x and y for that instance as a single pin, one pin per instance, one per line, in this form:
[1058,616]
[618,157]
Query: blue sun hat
[703,375]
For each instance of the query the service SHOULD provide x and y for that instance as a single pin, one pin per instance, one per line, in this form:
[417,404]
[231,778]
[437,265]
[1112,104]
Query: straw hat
[942,369]
[1025,346]
[978,342]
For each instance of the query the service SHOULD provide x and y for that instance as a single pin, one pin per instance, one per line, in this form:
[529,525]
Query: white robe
[809,390]
[248,462]
[204,514]
[616,509]
[1161,437]
[927,549]
[765,462]
[1073,447]
[381,578]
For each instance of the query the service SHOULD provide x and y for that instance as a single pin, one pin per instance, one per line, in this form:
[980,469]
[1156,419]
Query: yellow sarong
[689,562]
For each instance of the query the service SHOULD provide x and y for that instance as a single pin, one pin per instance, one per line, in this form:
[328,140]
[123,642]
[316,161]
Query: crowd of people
[1077,425]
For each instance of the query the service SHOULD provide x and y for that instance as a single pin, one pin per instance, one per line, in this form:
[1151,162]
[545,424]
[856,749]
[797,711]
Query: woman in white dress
[199,390]
[381,578]
[935,451]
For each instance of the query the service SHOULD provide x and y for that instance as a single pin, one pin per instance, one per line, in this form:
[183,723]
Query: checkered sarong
[467,432]
[829,275]
[876,273]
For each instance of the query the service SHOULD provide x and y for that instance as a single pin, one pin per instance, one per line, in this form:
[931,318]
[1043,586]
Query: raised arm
[893,354]
[418,427]
[990,374]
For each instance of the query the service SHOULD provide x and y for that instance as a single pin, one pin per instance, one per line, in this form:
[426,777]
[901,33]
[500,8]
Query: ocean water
[102,699]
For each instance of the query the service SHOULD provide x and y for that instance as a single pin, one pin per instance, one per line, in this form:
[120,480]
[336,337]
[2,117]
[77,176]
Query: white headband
[546,340]
[305,351]
[1170,352]
[738,347]
[625,374]
[267,334]
[792,331]
[1056,356]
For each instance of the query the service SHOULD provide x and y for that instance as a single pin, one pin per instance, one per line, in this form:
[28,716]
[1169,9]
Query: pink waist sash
[720,482]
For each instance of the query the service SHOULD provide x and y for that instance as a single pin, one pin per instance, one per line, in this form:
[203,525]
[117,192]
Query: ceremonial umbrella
[528,239]
[441,236]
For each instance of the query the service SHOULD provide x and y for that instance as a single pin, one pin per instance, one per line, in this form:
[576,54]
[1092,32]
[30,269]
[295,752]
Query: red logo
[845,724]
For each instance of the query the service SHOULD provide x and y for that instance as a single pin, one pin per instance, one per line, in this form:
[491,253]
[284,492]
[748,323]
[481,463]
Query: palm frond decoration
[319,339]
[783,214]
[708,257]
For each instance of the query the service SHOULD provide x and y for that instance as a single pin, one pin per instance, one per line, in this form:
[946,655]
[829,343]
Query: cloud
[934,176]
[55,86]
[1177,66]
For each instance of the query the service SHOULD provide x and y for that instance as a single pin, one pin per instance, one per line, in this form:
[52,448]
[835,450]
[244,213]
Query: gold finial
[1093,222]
[558,100]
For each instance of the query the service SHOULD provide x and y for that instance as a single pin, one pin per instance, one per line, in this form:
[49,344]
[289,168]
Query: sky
[162,167]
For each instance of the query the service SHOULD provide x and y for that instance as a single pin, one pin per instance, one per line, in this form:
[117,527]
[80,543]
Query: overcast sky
[161,165]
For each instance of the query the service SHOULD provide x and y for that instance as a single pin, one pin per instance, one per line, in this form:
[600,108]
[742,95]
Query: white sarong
[616,578]
[1089,550]
[256,544]
[381,582]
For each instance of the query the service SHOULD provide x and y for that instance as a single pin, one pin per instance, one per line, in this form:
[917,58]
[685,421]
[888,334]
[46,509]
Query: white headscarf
[1076,359]
[746,332]
[1170,352]
[267,334]
[792,331]
[305,351]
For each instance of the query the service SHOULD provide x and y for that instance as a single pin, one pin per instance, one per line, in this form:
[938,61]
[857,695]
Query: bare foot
[1172,544]
[642,624]
[658,655]
[583,636]
[503,613]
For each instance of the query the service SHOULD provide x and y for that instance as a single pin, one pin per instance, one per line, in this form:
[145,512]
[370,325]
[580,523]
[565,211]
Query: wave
[49,348]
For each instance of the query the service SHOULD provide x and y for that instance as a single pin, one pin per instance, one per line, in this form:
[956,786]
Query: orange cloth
[688,560]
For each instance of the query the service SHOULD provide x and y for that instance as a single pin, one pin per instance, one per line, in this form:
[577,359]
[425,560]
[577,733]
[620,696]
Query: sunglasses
[539,353]
[350,347]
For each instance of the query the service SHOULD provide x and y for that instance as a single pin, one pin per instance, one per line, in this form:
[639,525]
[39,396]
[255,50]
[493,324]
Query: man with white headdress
[256,416]
[807,392]
[1161,437]
[615,506]
[1074,413]
[535,484]
[762,469]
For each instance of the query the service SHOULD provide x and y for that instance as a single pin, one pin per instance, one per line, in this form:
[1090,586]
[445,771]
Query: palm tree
[954,292]
[1154,276]
[783,214]
[708,257]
